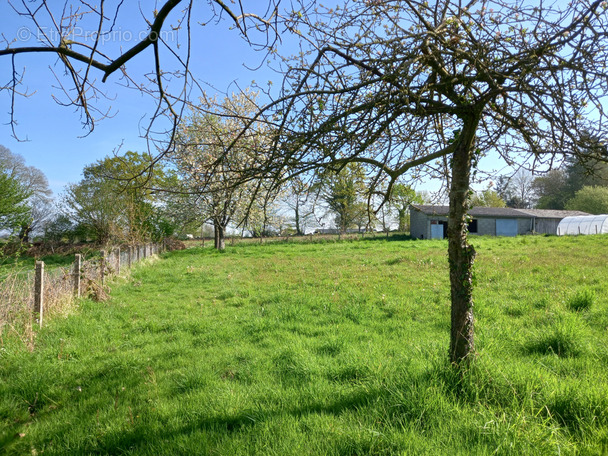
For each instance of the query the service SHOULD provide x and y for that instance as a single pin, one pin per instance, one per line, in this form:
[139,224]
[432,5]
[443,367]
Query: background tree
[59,228]
[487,198]
[592,199]
[409,86]
[36,185]
[117,200]
[13,203]
[401,197]
[137,187]
[517,190]
[550,190]
[300,198]
[558,186]
[92,205]
[209,154]
[344,191]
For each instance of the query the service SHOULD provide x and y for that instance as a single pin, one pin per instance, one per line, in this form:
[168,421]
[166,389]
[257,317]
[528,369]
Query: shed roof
[550,213]
[500,212]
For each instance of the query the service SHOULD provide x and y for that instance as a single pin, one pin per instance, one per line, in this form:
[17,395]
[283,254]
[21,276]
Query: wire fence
[28,298]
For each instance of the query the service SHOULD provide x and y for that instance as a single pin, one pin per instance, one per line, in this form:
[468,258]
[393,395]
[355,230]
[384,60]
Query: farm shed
[431,222]
[590,224]
[546,221]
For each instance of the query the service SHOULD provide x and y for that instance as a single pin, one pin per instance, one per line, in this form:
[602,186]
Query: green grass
[10,264]
[328,348]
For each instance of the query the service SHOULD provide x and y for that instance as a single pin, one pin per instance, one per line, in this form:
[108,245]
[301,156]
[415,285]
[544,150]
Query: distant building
[431,222]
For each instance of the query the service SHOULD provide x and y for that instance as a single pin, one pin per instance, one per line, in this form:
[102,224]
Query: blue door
[506,227]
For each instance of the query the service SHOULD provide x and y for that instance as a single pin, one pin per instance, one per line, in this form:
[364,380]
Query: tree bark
[460,253]
[24,233]
[402,213]
[297,219]
[220,235]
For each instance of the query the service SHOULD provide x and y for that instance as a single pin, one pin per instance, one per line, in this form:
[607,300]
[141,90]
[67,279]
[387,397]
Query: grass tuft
[562,339]
[581,301]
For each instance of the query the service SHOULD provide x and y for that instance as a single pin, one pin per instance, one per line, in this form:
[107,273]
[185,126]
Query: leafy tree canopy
[487,198]
[13,203]
[592,199]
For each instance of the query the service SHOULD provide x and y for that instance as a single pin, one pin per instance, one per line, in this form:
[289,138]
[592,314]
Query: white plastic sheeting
[588,224]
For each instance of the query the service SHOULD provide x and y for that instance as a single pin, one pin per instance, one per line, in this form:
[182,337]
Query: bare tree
[301,197]
[517,190]
[408,86]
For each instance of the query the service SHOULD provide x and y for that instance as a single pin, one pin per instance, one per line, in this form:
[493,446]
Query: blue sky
[55,142]
[54,133]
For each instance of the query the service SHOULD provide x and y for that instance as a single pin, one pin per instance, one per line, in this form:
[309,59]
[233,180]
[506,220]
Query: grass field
[327,348]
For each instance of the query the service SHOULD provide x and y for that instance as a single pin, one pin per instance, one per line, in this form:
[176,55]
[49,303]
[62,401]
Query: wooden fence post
[39,290]
[76,274]
[137,249]
[102,266]
[117,252]
[129,256]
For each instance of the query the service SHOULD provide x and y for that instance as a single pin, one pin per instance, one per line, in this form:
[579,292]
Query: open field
[322,348]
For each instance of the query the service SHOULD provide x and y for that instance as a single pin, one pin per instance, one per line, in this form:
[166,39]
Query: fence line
[27,298]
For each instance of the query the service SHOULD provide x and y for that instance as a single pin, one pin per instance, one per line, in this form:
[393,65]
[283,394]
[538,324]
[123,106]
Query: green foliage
[593,200]
[60,228]
[487,198]
[343,192]
[550,190]
[116,200]
[401,197]
[321,348]
[558,188]
[29,181]
[14,209]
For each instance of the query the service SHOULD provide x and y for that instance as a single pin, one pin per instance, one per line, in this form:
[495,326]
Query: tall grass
[17,301]
[327,348]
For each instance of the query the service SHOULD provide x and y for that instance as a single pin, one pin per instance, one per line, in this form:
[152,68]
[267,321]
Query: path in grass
[334,348]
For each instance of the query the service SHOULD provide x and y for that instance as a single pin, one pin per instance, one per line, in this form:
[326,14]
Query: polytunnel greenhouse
[587,224]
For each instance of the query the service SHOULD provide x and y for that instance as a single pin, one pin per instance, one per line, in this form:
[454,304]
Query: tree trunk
[24,233]
[402,215]
[297,219]
[220,236]
[460,253]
